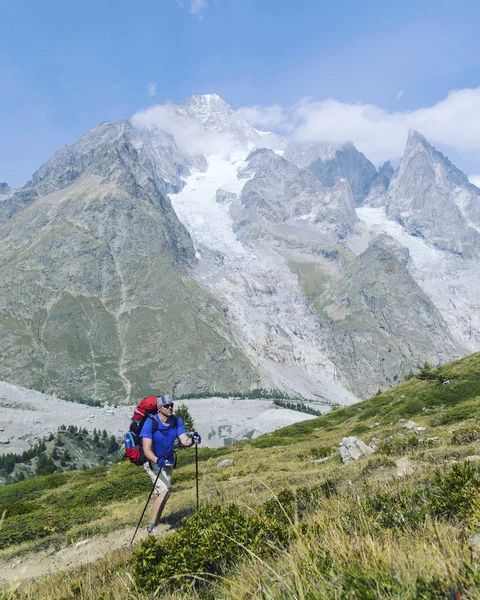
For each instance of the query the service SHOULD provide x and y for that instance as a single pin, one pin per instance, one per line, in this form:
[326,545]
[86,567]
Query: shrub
[466,435]
[315,453]
[456,495]
[216,537]
[395,511]
[452,496]
[208,543]
[400,445]
[459,413]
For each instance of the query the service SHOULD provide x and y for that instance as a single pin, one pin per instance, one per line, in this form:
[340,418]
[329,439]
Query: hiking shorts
[164,481]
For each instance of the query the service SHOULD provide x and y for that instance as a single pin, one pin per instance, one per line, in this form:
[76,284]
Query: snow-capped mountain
[431,198]
[183,248]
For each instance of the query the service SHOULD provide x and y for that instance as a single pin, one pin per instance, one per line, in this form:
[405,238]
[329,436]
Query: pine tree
[112,445]
[183,413]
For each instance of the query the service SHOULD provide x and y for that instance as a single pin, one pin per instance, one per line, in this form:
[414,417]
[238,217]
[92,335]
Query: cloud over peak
[378,133]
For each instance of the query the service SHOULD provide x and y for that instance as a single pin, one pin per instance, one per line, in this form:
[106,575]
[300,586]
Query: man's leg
[159,505]
[162,491]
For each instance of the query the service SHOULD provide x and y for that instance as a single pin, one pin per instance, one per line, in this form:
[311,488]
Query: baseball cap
[163,400]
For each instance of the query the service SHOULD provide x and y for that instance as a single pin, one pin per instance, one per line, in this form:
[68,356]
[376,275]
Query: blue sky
[66,66]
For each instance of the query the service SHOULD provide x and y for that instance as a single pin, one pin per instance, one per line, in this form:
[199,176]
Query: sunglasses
[167,405]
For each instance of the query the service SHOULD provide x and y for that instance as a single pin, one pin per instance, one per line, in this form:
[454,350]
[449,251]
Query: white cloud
[197,8]
[191,138]
[151,88]
[381,135]
[267,117]
[475,179]
[399,95]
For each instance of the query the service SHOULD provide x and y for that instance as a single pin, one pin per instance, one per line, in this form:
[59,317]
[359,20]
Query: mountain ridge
[225,228]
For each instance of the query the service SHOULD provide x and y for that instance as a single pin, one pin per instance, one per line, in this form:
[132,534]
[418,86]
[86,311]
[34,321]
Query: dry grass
[392,561]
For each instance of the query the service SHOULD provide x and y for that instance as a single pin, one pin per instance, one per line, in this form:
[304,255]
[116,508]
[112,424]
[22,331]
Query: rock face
[379,317]
[255,270]
[154,151]
[378,190]
[279,192]
[349,164]
[4,188]
[351,448]
[432,199]
[95,294]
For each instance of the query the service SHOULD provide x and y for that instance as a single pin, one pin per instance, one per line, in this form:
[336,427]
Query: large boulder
[351,448]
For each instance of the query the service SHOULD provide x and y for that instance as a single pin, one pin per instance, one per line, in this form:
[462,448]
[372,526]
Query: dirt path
[85,551]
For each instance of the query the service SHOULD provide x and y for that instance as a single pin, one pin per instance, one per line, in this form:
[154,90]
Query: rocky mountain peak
[433,199]
[4,188]
[416,142]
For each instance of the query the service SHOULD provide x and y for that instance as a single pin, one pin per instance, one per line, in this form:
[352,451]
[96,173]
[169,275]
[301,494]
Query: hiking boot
[153,530]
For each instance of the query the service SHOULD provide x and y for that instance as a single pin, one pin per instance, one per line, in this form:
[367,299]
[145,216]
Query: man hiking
[158,449]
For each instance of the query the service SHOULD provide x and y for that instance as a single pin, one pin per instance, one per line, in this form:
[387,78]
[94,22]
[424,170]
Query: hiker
[158,449]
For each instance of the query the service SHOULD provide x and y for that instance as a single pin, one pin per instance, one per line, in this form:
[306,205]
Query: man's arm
[188,441]
[148,449]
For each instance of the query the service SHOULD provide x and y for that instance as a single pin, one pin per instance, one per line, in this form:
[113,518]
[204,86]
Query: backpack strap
[154,424]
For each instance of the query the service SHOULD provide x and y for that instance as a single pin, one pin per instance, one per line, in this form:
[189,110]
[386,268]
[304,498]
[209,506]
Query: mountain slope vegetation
[288,519]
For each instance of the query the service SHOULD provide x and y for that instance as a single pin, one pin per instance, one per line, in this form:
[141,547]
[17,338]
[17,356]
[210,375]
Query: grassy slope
[389,562]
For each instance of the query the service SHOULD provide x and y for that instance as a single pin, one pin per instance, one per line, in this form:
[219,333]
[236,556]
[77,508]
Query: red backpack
[147,409]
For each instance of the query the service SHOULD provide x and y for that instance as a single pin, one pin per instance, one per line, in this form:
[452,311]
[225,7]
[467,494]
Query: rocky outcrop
[4,188]
[432,199]
[349,164]
[379,319]
[351,448]
[377,195]
[155,151]
[278,191]
[96,300]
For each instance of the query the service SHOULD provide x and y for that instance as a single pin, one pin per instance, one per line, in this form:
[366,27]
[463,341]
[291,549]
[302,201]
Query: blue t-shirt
[164,437]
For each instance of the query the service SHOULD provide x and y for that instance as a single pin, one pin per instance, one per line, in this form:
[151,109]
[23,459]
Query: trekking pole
[145,508]
[196,470]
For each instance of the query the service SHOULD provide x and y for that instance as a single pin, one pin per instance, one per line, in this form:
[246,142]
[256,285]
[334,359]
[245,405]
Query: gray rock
[410,425]
[223,196]
[433,200]
[474,547]
[319,461]
[228,462]
[473,458]
[405,466]
[351,448]
[279,192]
[112,262]
[350,164]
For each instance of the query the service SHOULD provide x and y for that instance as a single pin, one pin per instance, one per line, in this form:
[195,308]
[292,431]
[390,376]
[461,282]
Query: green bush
[42,523]
[208,543]
[459,413]
[401,445]
[456,495]
[316,453]
[216,537]
[406,509]
[466,435]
